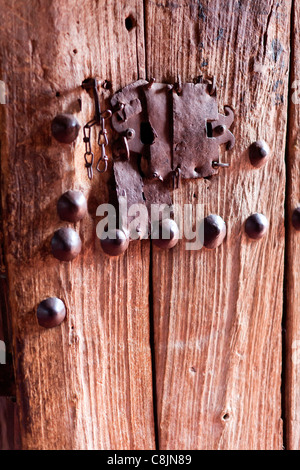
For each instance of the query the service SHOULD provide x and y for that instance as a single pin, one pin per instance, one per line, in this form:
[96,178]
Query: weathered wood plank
[88,383]
[217,314]
[292,344]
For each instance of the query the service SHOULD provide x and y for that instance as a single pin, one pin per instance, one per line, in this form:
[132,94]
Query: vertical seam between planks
[151,294]
[152,347]
[145,37]
[284,404]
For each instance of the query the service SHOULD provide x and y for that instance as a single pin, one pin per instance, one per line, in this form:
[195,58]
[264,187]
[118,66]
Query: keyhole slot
[209,130]
[147,133]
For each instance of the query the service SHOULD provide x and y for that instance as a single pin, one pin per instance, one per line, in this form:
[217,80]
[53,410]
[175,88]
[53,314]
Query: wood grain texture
[217,314]
[292,345]
[88,383]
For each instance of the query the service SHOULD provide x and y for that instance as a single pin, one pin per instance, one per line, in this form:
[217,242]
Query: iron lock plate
[165,133]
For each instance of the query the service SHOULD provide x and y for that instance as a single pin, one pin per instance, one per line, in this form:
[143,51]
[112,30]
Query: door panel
[292,291]
[88,383]
[217,314]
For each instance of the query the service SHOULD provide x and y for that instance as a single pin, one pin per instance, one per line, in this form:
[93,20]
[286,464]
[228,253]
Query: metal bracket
[177,130]
[165,133]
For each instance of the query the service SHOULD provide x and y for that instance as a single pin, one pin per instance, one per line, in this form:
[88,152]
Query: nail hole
[226,417]
[129,23]
[107,85]
[75,51]
[57,94]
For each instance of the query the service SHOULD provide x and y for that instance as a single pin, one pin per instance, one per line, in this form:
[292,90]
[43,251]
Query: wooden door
[160,349]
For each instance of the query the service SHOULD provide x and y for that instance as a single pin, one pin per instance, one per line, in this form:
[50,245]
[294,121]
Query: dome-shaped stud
[72,206]
[214,231]
[114,242]
[65,244]
[165,234]
[256,226]
[296,219]
[259,152]
[65,128]
[51,312]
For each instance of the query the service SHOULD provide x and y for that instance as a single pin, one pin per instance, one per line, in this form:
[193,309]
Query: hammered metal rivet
[51,312]
[115,242]
[65,244]
[165,234]
[219,130]
[259,153]
[214,231]
[65,128]
[72,206]
[256,226]
[296,219]
[130,133]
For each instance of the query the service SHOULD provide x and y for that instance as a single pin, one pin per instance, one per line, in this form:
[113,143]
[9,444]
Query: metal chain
[88,156]
[103,141]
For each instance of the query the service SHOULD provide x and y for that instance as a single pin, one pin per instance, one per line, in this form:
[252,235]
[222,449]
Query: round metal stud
[296,219]
[259,153]
[256,226]
[214,231]
[72,206]
[114,242]
[65,244]
[165,234]
[65,128]
[130,133]
[51,312]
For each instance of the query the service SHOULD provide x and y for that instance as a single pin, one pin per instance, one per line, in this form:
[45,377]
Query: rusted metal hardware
[115,242]
[90,85]
[176,134]
[296,219]
[163,133]
[51,312]
[72,206]
[65,128]
[165,234]
[214,231]
[65,244]
[256,226]
[259,152]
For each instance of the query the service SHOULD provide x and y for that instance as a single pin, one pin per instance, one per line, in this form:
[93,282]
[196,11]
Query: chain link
[88,156]
[102,142]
